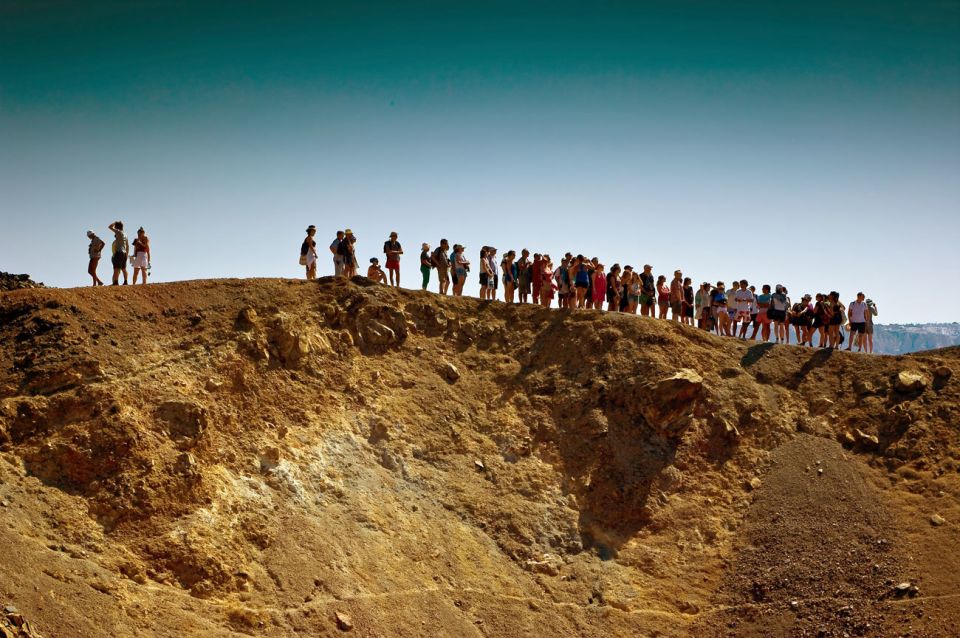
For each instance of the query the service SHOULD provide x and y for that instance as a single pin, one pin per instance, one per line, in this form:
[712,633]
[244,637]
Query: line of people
[140,260]
[579,282]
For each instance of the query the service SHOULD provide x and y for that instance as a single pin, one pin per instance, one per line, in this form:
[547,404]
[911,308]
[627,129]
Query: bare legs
[92,271]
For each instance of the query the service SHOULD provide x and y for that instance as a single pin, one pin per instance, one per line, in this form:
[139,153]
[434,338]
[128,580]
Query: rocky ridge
[9,281]
[236,457]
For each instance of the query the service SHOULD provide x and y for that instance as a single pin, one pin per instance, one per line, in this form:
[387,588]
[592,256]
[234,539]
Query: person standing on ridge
[663,296]
[393,250]
[494,272]
[509,269]
[614,289]
[599,288]
[536,277]
[523,275]
[308,253]
[744,301]
[425,264]
[349,254]
[441,262]
[337,256]
[688,301]
[119,250]
[141,255]
[462,266]
[676,296]
[94,250]
[546,281]
[648,292]
[868,329]
[857,313]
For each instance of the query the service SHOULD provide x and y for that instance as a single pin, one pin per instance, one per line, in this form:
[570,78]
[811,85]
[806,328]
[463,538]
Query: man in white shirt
[857,313]
[744,300]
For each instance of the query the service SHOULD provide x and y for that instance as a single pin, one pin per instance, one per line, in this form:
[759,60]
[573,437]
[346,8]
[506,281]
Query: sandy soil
[255,457]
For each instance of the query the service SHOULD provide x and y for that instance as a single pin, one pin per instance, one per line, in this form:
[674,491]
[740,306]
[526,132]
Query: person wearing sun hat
[392,249]
[349,253]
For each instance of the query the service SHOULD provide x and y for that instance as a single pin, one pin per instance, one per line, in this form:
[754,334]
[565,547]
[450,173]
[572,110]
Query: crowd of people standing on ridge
[578,282]
[119,254]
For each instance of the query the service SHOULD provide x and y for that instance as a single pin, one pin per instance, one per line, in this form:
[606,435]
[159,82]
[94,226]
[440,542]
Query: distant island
[897,338]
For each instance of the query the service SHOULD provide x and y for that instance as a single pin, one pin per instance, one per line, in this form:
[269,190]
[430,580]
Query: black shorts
[835,320]
[688,311]
[119,260]
[858,327]
[776,315]
[581,284]
[484,278]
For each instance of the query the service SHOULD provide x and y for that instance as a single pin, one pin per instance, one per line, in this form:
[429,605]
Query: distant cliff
[902,338]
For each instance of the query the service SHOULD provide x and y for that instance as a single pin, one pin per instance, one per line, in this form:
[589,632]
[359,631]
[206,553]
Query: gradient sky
[815,144]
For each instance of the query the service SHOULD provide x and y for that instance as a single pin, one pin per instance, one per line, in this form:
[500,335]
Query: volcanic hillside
[286,458]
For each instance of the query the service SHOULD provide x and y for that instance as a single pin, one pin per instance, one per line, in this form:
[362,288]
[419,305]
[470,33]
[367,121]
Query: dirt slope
[254,457]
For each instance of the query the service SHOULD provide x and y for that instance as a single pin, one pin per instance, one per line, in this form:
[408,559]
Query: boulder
[910,381]
[449,372]
[289,346]
[246,319]
[863,387]
[866,441]
[936,520]
[941,376]
[344,622]
[668,404]
[380,326]
[186,464]
[183,418]
[821,405]
[375,333]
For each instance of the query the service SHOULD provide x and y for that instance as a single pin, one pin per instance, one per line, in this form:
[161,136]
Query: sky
[811,144]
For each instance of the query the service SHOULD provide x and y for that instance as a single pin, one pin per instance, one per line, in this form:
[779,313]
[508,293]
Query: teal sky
[812,144]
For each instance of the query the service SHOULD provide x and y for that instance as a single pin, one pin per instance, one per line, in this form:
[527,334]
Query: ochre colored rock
[669,403]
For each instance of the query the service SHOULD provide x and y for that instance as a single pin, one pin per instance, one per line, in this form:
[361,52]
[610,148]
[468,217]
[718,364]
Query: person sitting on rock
[94,250]
[375,272]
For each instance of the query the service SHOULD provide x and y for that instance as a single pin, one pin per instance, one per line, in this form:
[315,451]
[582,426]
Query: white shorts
[140,260]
